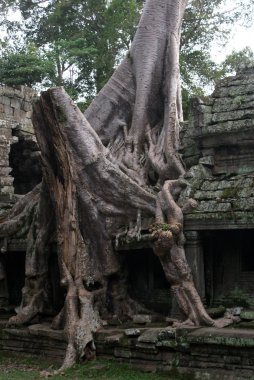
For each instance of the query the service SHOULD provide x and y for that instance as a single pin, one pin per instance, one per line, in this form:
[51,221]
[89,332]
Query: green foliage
[23,66]
[237,59]
[162,226]
[230,193]
[14,366]
[84,40]
[205,22]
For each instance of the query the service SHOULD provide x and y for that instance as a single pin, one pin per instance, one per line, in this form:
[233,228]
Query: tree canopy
[85,49]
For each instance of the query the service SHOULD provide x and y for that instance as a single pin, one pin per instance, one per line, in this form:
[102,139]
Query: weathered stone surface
[228,126]
[207,161]
[132,332]
[216,312]
[225,146]
[233,91]
[142,318]
[232,115]
[247,315]
[231,104]
[206,353]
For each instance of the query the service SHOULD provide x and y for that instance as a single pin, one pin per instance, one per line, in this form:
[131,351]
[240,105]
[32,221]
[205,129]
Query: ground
[20,366]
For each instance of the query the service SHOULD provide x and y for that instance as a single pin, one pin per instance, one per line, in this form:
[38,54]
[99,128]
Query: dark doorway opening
[229,266]
[57,291]
[25,163]
[146,280]
[15,274]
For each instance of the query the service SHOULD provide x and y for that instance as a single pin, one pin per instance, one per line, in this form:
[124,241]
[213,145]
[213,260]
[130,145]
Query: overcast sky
[241,38]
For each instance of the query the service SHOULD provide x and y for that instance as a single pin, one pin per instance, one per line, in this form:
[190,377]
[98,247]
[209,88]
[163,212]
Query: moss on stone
[231,192]
[247,315]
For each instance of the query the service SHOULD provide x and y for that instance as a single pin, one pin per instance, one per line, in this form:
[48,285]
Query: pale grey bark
[142,99]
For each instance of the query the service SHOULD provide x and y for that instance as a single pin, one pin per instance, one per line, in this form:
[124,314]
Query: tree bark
[106,170]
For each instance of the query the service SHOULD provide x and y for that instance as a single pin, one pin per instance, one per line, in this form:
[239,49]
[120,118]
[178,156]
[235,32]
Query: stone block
[207,161]
[6,198]
[142,318]
[244,204]
[167,334]
[247,315]
[27,128]
[147,347]
[232,115]
[210,185]
[16,103]
[26,106]
[231,104]
[5,171]
[229,126]
[247,325]
[232,359]
[132,332]
[28,114]
[5,100]
[4,155]
[233,91]
[114,339]
[6,181]
[4,162]
[209,195]
[216,312]
[122,353]
[19,115]
[8,110]
[150,335]
[167,344]
[7,190]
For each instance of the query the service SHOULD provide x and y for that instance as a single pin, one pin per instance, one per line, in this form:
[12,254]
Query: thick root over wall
[102,172]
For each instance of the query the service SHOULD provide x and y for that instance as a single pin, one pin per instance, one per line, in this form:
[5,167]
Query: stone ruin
[218,151]
[20,171]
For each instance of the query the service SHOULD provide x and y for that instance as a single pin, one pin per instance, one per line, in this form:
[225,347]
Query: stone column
[4,298]
[195,257]
[6,180]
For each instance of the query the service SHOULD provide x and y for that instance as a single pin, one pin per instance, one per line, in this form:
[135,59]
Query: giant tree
[114,167]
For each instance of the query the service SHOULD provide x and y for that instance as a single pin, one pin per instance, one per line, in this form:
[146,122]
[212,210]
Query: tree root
[35,300]
[168,243]
[81,321]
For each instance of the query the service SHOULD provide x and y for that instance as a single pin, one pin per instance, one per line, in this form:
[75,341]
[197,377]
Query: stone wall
[182,353]
[15,127]
[218,149]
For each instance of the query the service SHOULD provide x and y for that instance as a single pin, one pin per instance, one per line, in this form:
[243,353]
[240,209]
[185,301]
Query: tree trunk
[103,172]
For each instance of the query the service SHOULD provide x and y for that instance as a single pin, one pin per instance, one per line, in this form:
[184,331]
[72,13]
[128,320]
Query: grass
[18,367]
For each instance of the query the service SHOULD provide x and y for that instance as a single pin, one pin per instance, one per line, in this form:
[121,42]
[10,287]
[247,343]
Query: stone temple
[217,146]
[218,149]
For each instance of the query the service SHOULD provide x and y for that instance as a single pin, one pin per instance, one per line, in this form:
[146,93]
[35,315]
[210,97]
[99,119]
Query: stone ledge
[221,354]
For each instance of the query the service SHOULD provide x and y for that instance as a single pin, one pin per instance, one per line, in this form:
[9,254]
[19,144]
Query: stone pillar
[195,257]
[4,298]
[6,180]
